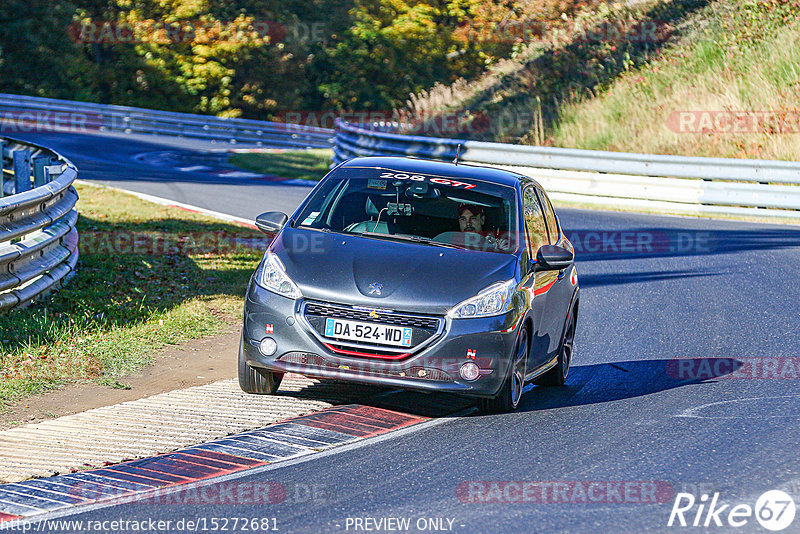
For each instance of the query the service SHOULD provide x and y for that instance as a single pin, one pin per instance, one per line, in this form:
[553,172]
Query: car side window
[534,221]
[549,216]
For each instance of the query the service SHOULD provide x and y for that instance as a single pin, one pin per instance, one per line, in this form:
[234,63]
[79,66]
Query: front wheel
[511,392]
[255,380]
[557,376]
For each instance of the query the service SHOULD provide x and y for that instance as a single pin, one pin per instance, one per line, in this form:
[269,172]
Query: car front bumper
[487,342]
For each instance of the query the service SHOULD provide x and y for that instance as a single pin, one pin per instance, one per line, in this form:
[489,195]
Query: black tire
[510,394]
[557,376]
[257,381]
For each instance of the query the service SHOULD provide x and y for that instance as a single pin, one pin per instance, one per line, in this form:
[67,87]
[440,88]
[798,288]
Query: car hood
[412,277]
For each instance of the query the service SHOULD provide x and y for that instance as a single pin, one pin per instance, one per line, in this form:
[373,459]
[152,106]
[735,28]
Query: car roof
[439,168]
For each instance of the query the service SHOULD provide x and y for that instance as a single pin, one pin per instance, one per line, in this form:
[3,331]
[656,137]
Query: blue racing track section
[685,380]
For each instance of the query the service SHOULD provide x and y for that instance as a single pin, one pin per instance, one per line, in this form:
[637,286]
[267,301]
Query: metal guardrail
[38,239]
[661,182]
[19,112]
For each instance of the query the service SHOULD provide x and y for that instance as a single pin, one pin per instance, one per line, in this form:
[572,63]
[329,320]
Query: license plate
[373,333]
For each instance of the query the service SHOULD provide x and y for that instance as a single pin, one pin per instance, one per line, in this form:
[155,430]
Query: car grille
[423,329]
[343,312]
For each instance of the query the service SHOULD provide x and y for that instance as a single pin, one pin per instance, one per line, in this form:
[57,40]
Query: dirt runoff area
[193,363]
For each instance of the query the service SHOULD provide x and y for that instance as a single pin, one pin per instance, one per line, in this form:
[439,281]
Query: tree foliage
[253,58]
[36,55]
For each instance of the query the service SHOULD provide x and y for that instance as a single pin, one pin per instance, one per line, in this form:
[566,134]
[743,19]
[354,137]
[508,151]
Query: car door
[538,283]
[559,294]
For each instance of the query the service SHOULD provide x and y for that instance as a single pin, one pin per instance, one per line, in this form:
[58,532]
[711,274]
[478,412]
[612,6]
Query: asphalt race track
[169,168]
[685,380]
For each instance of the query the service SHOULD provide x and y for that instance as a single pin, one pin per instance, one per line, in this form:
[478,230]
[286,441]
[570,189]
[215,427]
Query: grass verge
[733,61]
[148,276]
[310,164]
[734,57]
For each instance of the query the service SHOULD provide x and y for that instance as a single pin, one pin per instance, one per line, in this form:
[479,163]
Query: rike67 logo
[774,510]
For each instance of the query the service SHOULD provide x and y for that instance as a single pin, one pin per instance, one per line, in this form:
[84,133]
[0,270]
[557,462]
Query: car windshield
[422,208]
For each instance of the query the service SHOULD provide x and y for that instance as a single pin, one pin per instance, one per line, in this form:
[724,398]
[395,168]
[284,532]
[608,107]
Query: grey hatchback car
[415,274]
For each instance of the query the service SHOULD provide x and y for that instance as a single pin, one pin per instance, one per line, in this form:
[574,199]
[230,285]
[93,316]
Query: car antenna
[458,151]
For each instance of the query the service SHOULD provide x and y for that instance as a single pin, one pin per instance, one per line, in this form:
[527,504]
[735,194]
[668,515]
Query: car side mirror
[271,222]
[553,258]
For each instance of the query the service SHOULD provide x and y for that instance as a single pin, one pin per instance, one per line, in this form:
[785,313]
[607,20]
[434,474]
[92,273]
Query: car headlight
[494,300]
[272,276]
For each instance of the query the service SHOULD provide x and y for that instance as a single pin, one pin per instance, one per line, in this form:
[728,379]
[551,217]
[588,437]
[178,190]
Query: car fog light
[469,371]
[268,346]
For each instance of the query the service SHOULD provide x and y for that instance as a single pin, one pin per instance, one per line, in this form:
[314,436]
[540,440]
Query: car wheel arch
[531,332]
[573,309]
[526,323]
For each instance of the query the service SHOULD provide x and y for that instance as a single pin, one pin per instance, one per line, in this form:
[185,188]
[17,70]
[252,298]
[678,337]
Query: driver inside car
[471,221]
[471,218]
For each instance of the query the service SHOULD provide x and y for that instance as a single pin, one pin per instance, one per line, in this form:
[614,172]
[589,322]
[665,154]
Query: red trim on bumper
[367,354]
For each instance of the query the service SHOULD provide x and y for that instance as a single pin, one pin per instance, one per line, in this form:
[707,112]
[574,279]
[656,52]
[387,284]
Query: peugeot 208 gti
[415,274]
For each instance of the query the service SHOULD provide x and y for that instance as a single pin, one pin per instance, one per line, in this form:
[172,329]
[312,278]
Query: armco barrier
[27,113]
[664,183]
[38,239]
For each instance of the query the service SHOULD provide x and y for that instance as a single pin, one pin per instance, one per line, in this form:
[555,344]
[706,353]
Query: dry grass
[704,72]
[124,304]
[717,55]
[510,97]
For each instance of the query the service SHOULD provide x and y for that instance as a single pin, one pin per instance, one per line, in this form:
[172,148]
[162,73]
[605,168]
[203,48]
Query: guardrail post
[53,170]
[22,171]
[39,171]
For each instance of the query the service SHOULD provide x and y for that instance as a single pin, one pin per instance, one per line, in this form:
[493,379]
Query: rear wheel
[255,380]
[557,376]
[511,392]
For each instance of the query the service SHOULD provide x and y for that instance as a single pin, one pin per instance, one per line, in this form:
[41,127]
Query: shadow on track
[652,242]
[608,382]
[598,280]
[587,384]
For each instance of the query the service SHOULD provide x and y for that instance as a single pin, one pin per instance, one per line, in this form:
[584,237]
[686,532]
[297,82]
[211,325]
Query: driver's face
[469,222]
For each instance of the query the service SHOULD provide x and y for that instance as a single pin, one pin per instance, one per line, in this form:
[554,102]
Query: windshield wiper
[402,237]
[326,230]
